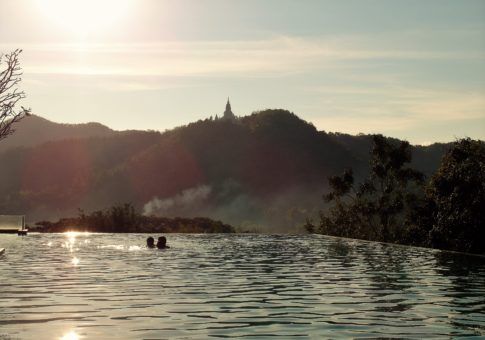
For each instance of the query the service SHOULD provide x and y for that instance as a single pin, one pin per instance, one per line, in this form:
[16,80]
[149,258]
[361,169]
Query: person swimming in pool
[162,243]
[150,242]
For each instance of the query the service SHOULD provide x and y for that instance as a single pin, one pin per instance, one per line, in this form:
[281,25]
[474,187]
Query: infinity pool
[109,286]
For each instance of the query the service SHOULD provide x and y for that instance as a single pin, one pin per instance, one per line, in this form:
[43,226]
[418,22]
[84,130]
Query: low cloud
[283,54]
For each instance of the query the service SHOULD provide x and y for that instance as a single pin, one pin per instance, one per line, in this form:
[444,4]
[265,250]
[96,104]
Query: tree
[10,95]
[380,207]
[457,194]
[393,189]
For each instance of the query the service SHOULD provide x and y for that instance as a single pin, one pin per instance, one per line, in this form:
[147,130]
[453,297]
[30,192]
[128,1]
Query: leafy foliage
[392,205]
[380,207]
[457,195]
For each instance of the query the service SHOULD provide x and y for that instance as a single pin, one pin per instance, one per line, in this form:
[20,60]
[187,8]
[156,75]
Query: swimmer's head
[162,241]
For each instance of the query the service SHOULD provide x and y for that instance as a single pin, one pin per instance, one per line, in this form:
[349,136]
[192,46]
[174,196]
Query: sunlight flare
[75,261]
[70,336]
[83,17]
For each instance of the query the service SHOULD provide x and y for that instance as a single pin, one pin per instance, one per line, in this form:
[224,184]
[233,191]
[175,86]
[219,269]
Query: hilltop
[35,130]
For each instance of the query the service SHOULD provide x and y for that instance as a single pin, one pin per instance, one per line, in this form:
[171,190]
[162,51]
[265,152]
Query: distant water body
[109,286]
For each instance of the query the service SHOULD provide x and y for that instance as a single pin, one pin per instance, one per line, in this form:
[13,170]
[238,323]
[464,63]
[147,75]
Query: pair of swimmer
[161,244]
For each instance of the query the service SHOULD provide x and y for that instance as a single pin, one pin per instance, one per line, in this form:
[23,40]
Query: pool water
[109,286]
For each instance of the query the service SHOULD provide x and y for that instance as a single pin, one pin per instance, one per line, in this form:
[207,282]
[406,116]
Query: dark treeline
[125,219]
[396,203]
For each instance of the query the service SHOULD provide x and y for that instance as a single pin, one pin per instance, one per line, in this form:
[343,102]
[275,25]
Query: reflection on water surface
[70,336]
[109,286]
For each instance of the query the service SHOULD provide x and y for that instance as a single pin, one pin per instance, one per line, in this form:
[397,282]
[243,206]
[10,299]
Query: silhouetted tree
[10,95]
[457,194]
[380,207]
[392,185]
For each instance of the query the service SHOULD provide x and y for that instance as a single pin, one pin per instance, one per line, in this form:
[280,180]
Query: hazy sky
[409,69]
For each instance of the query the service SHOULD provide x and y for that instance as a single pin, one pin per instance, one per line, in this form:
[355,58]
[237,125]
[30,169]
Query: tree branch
[10,95]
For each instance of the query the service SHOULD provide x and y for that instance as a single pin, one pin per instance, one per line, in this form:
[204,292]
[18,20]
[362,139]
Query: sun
[84,17]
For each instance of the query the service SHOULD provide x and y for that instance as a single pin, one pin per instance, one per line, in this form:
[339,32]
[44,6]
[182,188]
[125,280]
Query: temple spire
[228,105]
[228,114]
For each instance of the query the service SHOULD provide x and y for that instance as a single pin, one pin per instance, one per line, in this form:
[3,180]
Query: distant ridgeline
[124,219]
[265,171]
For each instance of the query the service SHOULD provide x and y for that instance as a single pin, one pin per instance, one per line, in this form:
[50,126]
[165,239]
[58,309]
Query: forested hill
[265,171]
[35,130]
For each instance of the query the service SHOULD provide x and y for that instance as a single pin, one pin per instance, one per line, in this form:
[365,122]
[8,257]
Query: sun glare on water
[84,17]
[70,336]
[75,261]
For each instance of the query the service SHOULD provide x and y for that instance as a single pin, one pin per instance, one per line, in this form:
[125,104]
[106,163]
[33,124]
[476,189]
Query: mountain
[35,130]
[266,171]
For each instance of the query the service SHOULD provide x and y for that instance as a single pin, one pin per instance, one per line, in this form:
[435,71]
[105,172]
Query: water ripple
[109,286]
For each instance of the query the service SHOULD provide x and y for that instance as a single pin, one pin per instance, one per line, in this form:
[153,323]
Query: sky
[410,69]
